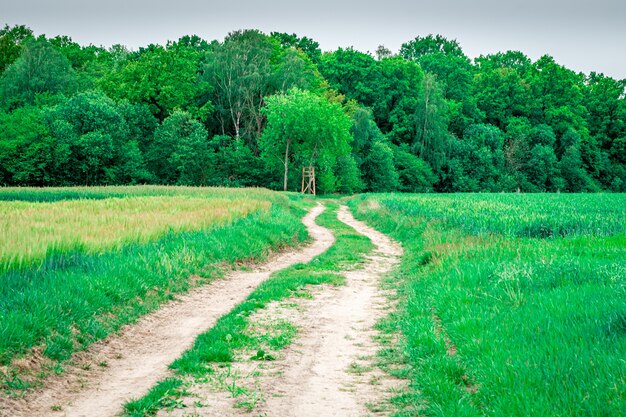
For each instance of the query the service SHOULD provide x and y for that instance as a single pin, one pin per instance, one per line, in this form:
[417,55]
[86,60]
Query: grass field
[30,232]
[509,304]
[74,271]
[512,305]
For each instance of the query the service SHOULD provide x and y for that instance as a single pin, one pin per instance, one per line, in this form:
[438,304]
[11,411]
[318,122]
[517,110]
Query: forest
[253,109]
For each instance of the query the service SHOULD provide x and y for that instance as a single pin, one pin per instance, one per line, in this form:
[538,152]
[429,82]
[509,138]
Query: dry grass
[29,232]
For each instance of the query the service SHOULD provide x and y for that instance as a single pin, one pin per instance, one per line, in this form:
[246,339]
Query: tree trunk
[286,166]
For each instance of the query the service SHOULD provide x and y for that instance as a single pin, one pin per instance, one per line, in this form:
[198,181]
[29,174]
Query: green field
[511,305]
[77,264]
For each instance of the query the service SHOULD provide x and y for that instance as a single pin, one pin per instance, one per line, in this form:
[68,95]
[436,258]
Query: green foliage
[562,130]
[28,154]
[240,71]
[348,175]
[307,45]
[179,153]
[233,164]
[431,125]
[477,161]
[39,69]
[307,128]
[414,174]
[165,79]
[12,41]
[543,169]
[379,171]
[444,58]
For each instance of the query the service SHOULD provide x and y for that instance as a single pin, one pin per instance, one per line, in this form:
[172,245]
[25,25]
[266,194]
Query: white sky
[581,34]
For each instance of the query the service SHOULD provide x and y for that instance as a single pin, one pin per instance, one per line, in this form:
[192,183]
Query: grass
[51,194]
[30,232]
[82,297]
[517,215]
[494,323]
[217,346]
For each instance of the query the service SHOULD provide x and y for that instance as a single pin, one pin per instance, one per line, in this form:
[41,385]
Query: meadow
[509,304]
[31,232]
[75,269]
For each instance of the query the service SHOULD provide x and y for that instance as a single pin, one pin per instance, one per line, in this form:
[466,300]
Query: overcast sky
[585,35]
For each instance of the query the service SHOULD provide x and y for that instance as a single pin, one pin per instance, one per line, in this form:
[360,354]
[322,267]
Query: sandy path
[138,358]
[336,334]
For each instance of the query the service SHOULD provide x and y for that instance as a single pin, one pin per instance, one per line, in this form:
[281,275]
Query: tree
[307,45]
[383,52]
[558,93]
[164,79]
[574,175]
[516,150]
[478,160]
[12,41]
[364,133]
[501,94]
[352,73]
[94,130]
[513,60]
[240,71]
[379,171]
[295,69]
[304,126]
[390,87]
[445,59]
[432,133]
[348,175]
[603,99]
[179,153]
[543,170]
[542,135]
[233,164]
[396,96]
[39,69]
[414,174]
[27,151]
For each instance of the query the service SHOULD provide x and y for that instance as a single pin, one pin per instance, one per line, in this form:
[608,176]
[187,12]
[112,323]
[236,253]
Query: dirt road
[338,331]
[329,370]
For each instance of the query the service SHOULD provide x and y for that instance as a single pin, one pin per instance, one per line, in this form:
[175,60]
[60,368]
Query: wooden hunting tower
[308,180]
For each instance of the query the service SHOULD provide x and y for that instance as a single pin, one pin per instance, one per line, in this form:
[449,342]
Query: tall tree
[431,121]
[39,69]
[12,40]
[444,58]
[304,127]
[379,170]
[179,153]
[307,45]
[240,70]
[166,79]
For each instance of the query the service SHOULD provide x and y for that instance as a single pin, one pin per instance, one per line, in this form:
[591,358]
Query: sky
[584,35]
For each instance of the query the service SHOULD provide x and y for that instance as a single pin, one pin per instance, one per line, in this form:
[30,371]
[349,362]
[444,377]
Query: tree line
[253,109]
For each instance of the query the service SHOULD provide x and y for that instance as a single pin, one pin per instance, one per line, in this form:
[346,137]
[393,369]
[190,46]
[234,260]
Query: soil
[339,332]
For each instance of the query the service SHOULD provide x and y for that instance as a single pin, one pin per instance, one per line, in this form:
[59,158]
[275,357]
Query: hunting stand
[308,180]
